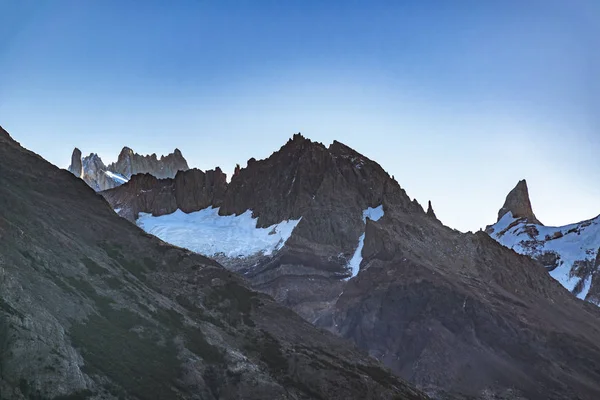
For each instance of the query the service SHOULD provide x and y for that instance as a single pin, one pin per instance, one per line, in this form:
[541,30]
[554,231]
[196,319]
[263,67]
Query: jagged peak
[126,150]
[430,211]
[92,156]
[518,203]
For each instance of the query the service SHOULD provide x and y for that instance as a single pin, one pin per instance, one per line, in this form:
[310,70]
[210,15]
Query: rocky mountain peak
[518,203]
[102,177]
[430,211]
[125,153]
[76,167]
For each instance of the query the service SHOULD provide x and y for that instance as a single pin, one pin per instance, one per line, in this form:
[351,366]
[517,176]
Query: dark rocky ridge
[190,190]
[455,313]
[518,203]
[91,306]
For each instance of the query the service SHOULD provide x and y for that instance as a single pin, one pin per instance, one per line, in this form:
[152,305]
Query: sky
[459,100]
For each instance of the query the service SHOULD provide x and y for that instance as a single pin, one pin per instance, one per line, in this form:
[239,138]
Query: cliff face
[76,167]
[101,177]
[457,314]
[130,163]
[189,191]
[518,204]
[92,307]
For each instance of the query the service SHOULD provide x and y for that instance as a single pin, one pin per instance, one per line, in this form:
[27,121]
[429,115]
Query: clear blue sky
[457,99]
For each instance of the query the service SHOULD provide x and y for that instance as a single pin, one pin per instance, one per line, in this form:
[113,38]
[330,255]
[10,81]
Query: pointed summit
[430,211]
[518,203]
[76,167]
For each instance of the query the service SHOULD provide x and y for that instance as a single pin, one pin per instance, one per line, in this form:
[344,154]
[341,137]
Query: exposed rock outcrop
[430,211]
[94,173]
[189,191]
[91,307]
[76,167]
[518,203]
[130,163]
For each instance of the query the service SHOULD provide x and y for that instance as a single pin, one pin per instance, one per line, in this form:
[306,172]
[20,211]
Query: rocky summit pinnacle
[430,211]
[76,167]
[518,203]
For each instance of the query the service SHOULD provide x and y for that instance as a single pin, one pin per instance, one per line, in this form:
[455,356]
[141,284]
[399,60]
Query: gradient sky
[457,99]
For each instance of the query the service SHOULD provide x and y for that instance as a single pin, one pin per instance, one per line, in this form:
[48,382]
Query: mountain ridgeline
[92,307]
[457,314]
[101,177]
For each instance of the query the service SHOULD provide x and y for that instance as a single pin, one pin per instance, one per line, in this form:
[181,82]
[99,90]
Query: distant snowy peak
[101,177]
[570,253]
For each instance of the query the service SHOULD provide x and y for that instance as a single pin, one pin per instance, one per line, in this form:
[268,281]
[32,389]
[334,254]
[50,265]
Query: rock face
[76,168]
[94,173]
[569,252]
[189,191]
[130,163]
[92,307]
[518,203]
[101,177]
[457,314]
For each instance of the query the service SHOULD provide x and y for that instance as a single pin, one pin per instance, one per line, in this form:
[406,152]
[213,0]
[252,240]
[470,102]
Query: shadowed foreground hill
[91,306]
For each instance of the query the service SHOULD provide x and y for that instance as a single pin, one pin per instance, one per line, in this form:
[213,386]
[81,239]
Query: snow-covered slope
[208,233]
[570,253]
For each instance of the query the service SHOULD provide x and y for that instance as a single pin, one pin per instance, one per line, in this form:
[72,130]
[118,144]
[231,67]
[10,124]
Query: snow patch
[573,243]
[373,214]
[206,232]
[116,177]
[354,263]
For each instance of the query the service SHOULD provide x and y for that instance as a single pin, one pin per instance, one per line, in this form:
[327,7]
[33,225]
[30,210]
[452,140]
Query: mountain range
[92,307]
[326,232]
[101,177]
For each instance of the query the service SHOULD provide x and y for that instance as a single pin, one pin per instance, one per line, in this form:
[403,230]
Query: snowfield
[574,244]
[208,233]
[373,214]
[120,179]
